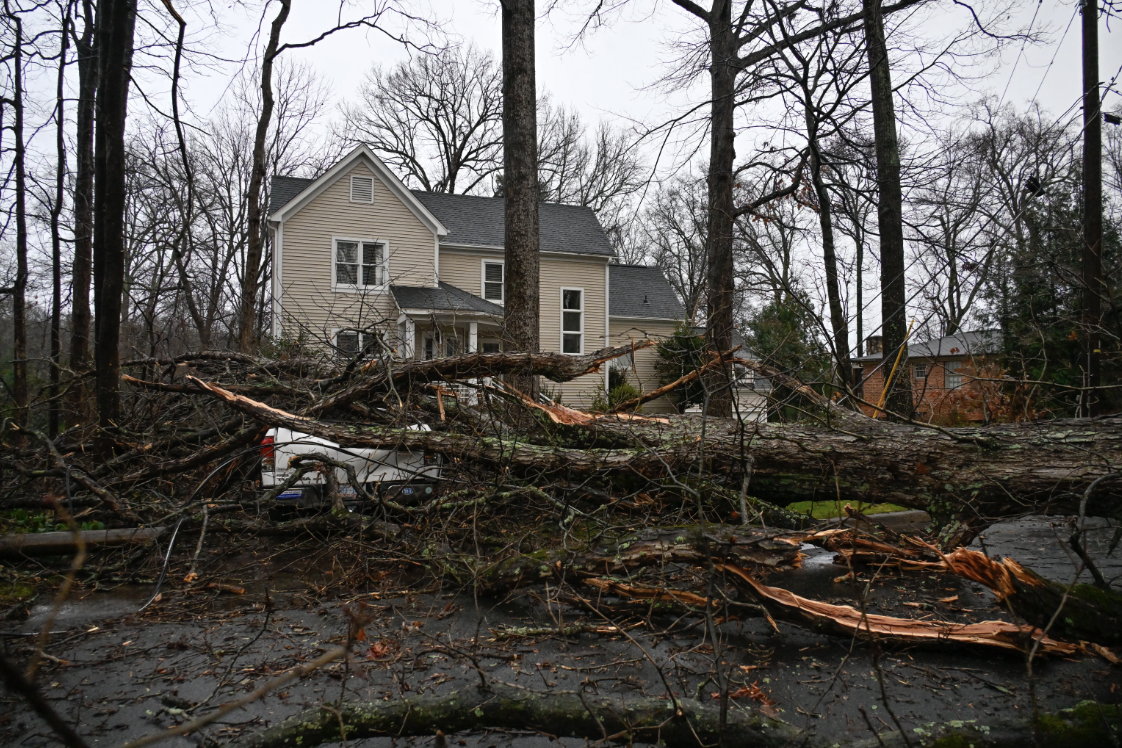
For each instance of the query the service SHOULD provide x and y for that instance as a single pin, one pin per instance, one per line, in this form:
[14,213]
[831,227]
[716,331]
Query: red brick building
[947,376]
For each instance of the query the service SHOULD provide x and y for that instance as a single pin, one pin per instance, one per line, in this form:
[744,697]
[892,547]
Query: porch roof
[444,298]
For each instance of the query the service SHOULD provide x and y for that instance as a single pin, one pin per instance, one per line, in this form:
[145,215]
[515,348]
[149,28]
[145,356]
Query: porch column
[410,337]
[473,337]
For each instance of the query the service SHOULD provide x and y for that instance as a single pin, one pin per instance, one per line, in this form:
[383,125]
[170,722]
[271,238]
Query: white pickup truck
[396,473]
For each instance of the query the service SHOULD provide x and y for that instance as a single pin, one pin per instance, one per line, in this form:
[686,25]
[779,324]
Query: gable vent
[362,189]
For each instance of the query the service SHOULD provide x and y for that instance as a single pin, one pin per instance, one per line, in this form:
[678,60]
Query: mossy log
[983,472]
[685,723]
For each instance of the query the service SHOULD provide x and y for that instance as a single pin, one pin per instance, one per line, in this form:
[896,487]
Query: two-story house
[357,254]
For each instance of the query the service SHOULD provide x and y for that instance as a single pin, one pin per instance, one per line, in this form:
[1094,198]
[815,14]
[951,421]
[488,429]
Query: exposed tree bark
[520,179]
[890,216]
[54,408]
[847,621]
[116,20]
[255,238]
[80,273]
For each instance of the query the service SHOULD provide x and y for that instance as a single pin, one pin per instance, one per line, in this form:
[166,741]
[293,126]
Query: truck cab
[398,473]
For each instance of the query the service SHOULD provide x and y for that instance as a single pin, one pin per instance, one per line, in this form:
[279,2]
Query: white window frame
[359,288]
[919,371]
[564,332]
[362,338]
[362,202]
[489,342]
[483,281]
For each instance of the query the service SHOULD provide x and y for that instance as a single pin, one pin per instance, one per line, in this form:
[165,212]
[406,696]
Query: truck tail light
[267,454]
[431,459]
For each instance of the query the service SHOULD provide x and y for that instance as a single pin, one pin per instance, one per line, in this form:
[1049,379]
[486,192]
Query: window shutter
[362,189]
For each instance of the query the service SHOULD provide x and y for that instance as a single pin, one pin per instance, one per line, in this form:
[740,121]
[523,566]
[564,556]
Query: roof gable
[639,291]
[295,193]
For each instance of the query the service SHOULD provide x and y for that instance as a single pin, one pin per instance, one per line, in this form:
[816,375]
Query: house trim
[278,278]
[332,175]
[607,323]
[642,319]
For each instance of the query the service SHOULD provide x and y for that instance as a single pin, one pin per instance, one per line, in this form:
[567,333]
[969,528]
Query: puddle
[90,608]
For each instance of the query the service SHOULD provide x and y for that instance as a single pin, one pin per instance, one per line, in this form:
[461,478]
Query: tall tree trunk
[722,155]
[80,274]
[19,288]
[56,239]
[247,335]
[838,322]
[520,180]
[1093,287]
[116,20]
[890,215]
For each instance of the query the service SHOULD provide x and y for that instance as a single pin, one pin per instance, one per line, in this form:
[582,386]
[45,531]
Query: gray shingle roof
[641,291]
[974,343]
[480,221]
[283,189]
[446,298]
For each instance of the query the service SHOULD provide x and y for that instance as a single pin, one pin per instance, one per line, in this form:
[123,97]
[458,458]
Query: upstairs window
[359,264]
[920,371]
[572,320]
[362,189]
[493,281]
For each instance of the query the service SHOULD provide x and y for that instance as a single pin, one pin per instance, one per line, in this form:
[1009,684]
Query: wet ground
[120,675]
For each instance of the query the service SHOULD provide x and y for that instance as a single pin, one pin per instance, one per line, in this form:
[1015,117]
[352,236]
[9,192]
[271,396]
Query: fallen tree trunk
[61,543]
[681,723]
[976,473]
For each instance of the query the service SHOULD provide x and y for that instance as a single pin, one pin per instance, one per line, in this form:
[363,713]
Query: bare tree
[435,119]
[16,102]
[254,235]
[116,21]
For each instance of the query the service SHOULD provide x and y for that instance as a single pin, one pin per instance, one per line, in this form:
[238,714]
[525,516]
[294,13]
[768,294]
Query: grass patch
[832,509]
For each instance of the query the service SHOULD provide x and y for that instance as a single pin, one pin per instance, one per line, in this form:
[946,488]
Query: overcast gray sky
[609,73]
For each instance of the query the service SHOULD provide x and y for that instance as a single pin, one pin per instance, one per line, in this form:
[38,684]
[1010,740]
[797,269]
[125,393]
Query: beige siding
[465,270]
[309,305]
[643,374]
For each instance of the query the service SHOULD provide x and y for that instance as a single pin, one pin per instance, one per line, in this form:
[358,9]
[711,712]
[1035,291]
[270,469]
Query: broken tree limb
[654,547]
[556,366]
[1086,611]
[845,620]
[61,543]
[1025,467]
[635,402]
